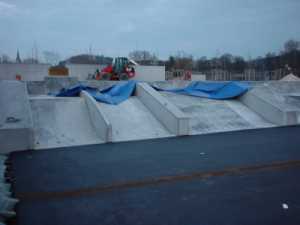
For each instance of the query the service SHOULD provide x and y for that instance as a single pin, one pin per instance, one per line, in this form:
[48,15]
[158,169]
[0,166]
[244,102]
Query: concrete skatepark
[167,134]
[44,121]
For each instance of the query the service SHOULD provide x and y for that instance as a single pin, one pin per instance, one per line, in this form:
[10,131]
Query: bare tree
[5,59]
[184,61]
[143,57]
[291,46]
[51,57]
[30,61]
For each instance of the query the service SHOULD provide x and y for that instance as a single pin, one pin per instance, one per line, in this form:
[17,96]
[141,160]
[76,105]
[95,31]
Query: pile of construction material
[290,77]
[7,203]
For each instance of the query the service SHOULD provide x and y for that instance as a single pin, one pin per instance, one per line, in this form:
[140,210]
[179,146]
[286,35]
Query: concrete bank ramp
[132,120]
[59,122]
[277,102]
[209,116]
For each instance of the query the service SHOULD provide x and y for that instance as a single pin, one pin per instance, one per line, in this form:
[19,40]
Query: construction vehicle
[121,69]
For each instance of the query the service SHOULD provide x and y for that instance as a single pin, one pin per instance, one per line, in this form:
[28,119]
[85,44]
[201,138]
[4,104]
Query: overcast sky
[115,27]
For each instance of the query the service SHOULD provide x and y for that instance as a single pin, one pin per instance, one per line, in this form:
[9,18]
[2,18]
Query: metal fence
[251,75]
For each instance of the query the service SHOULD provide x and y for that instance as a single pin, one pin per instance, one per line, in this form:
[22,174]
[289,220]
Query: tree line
[288,58]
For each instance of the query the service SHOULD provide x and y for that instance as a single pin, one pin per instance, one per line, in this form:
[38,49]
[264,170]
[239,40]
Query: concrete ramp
[62,122]
[131,120]
[276,102]
[210,116]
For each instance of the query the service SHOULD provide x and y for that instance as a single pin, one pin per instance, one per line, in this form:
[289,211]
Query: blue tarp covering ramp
[212,90]
[113,95]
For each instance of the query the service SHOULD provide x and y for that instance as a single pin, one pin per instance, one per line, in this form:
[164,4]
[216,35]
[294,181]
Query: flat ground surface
[61,122]
[208,115]
[242,177]
[131,120]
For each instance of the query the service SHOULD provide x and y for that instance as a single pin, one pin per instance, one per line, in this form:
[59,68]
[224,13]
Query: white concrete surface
[271,105]
[50,84]
[166,112]
[131,120]
[15,117]
[60,122]
[150,73]
[81,71]
[210,116]
[198,77]
[53,84]
[33,72]
[99,120]
[42,121]
[250,116]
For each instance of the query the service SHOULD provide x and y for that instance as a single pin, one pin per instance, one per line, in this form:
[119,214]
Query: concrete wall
[33,72]
[150,73]
[198,77]
[101,124]
[167,113]
[37,72]
[15,117]
[81,71]
[53,84]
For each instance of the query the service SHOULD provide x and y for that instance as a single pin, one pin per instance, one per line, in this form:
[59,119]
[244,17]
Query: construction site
[129,147]
[160,112]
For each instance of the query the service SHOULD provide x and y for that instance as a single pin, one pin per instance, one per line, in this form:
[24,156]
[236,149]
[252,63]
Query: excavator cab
[121,69]
[120,64]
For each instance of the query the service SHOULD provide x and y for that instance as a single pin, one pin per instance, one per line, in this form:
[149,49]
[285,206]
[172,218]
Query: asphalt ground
[241,177]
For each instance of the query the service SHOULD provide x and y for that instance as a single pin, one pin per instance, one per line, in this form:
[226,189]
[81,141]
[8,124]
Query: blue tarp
[113,95]
[212,90]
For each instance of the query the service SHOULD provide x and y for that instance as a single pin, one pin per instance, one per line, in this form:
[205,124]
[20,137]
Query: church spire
[18,59]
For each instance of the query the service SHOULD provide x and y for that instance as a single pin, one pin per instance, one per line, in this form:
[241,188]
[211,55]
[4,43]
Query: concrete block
[36,88]
[166,112]
[270,112]
[54,84]
[28,72]
[82,71]
[16,127]
[198,77]
[100,122]
[150,73]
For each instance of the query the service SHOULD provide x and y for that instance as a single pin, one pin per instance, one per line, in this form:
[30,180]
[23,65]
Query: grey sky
[115,27]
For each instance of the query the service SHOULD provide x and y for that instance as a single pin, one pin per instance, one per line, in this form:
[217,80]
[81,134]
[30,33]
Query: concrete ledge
[100,122]
[167,113]
[16,126]
[269,111]
[53,84]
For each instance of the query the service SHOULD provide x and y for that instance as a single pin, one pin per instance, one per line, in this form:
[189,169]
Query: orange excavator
[122,68]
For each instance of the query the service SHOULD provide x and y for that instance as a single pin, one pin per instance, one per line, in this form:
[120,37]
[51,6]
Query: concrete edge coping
[181,120]
[286,114]
[46,97]
[99,120]
[269,102]
[31,126]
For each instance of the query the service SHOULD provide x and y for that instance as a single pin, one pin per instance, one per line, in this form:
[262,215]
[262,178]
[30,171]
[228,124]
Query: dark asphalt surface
[247,198]
[239,200]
